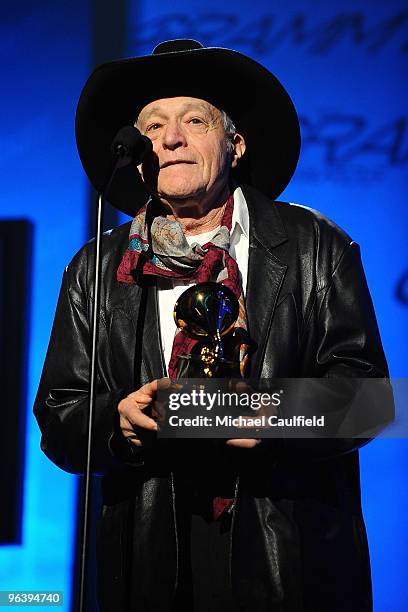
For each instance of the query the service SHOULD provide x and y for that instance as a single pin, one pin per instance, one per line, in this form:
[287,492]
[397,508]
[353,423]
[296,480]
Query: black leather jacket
[298,540]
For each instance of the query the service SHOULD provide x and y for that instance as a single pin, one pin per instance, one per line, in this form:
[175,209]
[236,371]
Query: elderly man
[241,525]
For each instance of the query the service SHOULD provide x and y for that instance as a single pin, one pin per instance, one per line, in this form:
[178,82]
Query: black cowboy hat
[252,96]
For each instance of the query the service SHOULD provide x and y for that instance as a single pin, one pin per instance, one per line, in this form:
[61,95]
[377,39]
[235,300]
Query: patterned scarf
[158,247]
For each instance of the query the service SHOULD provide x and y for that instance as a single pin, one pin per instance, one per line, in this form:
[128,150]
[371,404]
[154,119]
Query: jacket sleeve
[346,339]
[61,405]
[341,348]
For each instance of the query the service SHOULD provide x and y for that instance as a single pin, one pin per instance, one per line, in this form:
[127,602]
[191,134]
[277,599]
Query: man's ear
[239,149]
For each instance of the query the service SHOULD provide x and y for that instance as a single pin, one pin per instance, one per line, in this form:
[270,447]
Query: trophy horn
[206,312]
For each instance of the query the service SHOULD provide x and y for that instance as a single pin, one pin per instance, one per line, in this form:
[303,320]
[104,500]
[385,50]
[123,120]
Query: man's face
[188,136]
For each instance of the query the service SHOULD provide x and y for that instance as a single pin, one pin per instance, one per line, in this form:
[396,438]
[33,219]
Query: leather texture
[298,541]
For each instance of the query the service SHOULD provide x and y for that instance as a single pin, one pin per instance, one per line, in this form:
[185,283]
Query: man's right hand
[131,409]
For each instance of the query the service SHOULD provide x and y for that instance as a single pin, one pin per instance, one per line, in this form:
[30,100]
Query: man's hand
[243,442]
[243,387]
[131,409]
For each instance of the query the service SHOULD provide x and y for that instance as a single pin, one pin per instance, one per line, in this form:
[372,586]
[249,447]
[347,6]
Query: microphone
[130,146]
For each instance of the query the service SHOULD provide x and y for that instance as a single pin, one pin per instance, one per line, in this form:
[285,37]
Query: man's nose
[173,136]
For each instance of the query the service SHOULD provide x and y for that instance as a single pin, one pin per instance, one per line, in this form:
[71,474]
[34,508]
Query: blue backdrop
[45,57]
[344,63]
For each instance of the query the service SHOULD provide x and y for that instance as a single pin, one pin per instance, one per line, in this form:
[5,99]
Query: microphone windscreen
[131,146]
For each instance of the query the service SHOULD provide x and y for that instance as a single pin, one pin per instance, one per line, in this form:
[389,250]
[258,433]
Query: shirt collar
[240,215]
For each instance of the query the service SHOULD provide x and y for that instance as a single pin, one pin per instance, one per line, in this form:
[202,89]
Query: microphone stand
[120,152]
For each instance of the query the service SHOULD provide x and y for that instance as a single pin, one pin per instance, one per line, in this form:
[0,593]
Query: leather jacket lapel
[265,271]
[140,305]
[267,275]
[152,353]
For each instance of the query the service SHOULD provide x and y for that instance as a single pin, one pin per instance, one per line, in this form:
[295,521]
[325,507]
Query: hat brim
[251,95]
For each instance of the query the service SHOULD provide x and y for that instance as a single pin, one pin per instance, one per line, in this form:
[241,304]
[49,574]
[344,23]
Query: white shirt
[170,290]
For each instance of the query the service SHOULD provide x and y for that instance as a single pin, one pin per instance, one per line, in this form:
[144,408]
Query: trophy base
[194,366]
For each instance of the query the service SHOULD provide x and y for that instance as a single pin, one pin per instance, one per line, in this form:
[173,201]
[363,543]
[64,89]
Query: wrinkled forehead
[177,105]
